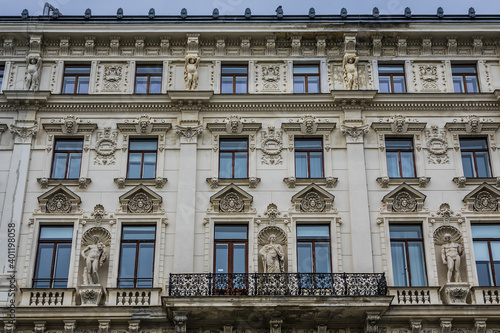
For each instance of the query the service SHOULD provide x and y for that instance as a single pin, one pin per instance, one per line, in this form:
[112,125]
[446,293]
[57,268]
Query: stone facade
[187,200]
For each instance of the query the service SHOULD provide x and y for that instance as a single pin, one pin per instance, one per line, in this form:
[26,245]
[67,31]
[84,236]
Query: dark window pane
[145,260]
[483,164]
[239,262]
[322,256]
[127,260]
[390,69]
[313,232]
[399,84]
[69,145]
[233,144]
[399,144]
[141,84]
[143,145]
[227,85]
[308,144]
[221,258]
[464,69]
[299,84]
[149,70]
[458,84]
[241,85]
[385,84]
[405,232]
[486,231]
[473,144]
[313,84]
[138,233]
[69,85]
[305,69]
[134,165]
[61,264]
[234,69]
[304,257]
[77,70]
[44,260]
[56,233]
[230,232]
[83,85]
[155,85]
[468,164]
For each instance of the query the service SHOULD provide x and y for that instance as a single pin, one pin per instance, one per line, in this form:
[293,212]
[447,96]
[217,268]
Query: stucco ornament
[354,133]
[98,213]
[95,241]
[309,125]
[105,147]
[231,203]
[59,203]
[271,77]
[191,65]
[272,211]
[189,132]
[450,240]
[33,67]
[485,202]
[312,202]
[404,203]
[112,78]
[271,146]
[234,124]
[350,71]
[272,239]
[437,146]
[429,77]
[140,203]
[25,133]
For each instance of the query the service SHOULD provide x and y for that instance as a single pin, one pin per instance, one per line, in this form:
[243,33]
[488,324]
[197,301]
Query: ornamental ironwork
[485,202]
[404,203]
[59,203]
[277,284]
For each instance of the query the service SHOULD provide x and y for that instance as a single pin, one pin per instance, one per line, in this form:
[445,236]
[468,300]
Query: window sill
[462,181]
[384,182]
[82,182]
[158,182]
[328,182]
[251,182]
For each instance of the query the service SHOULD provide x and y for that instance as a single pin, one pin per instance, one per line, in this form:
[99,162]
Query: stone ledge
[158,182]
[462,181]
[251,182]
[328,182]
[384,182]
[81,182]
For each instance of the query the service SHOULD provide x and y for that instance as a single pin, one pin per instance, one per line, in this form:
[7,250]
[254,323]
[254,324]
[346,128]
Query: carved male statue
[32,73]
[273,257]
[450,254]
[350,70]
[192,63]
[95,256]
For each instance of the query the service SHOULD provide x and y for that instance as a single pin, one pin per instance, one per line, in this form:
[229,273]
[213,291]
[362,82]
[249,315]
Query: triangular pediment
[313,198]
[140,199]
[404,198]
[484,198]
[59,200]
[231,199]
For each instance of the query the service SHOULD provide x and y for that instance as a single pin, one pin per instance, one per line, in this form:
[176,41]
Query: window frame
[298,150]
[313,242]
[148,76]
[142,156]
[490,254]
[306,78]
[487,150]
[464,79]
[391,78]
[234,76]
[230,242]
[56,140]
[138,242]
[77,78]
[400,166]
[233,156]
[2,76]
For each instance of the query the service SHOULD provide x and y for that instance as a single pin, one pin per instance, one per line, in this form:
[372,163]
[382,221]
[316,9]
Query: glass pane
[149,169]
[308,144]
[69,145]
[134,165]
[155,85]
[417,265]
[56,233]
[59,166]
[227,85]
[234,144]
[486,231]
[241,85]
[234,69]
[495,250]
[398,256]
[299,84]
[471,82]
[44,260]
[127,260]
[464,69]
[468,165]
[399,84]
[138,232]
[239,262]
[149,69]
[458,84]
[230,232]
[399,144]
[61,264]
[483,164]
[240,165]
[305,69]
[313,232]
[226,165]
[221,258]
[473,144]
[483,265]
[145,260]
[405,232]
[407,164]
[74,165]
[141,84]
[322,254]
[143,145]
[392,164]
[83,85]
[304,257]
[390,69]
[385,84]
[77,70]
[69,85]
[301,165]
[316,167]
[313,84]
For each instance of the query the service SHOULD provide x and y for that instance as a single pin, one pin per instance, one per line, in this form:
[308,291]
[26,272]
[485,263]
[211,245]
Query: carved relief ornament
[354,134]
[313,199]
[271,77]
[437,145]
[404,199]
[24,133]
[59,200]
[272,145]
[484,198]
[231,199]
[474,125]
[140,200]
[234,124]
[144,125]
[308,125]
[106,147]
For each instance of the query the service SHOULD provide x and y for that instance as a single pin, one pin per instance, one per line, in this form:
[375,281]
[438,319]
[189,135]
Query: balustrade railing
[277,284]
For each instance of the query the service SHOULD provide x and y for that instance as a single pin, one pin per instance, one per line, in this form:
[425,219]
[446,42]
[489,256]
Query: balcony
[281,284]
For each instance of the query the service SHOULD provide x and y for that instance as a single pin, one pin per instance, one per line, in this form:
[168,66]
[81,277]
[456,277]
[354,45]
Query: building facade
[248,173]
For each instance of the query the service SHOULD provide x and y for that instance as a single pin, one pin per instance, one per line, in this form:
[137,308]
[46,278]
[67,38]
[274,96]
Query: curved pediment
[484,198]
[405,199]
[140,200]
[313,198]
[59,200]
[231,199]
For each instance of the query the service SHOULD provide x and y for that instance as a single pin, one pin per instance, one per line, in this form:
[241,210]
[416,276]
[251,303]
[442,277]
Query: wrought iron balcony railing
[281,284]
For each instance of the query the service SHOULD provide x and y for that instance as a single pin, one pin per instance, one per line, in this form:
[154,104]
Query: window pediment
[144,125]
[231,199]
[313,199]
[484,198]
[140,200]
[234,124]
[398,124]
[404,199]
[308,124]
[472,124]
[59,200]
[69,125]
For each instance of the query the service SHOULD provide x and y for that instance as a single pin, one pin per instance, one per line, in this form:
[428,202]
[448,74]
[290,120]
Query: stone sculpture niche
[95,241]
[191,66]
[33,67]
[272,250]
[350,71]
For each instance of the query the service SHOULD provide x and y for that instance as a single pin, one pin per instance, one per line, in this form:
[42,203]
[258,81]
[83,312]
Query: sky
[237,7]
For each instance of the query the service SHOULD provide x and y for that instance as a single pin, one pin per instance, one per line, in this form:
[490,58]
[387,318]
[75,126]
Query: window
[142,158]
[2,72]
[487,252]
[234,79]
[148,79]
[76,80]
[137,257]
[233,158]
[464,78]
[475,157]
[407,251]
[306,79]
[67,159]
[308,158]
[53,257]
[399,155]
[392,78]
[230,259]
[313,249]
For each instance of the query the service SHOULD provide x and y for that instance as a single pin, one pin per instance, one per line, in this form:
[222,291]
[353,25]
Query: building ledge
[158,182]
[81,182]
[385,182]
[251,182]
[462,181]
[328,182]
[133,296]
[47,297]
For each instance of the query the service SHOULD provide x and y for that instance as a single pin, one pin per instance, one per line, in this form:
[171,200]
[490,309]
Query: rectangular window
[308,158]
[2,71]
[233,158]
[486,239]
[306,79]
[67,159]
[148,79]
[142,158]
[313,249]
[392,78]
[407,251]
[465,78]
[53,257]
[234,79]
[475,157]
[137,255]
[76,79]
[399,155]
